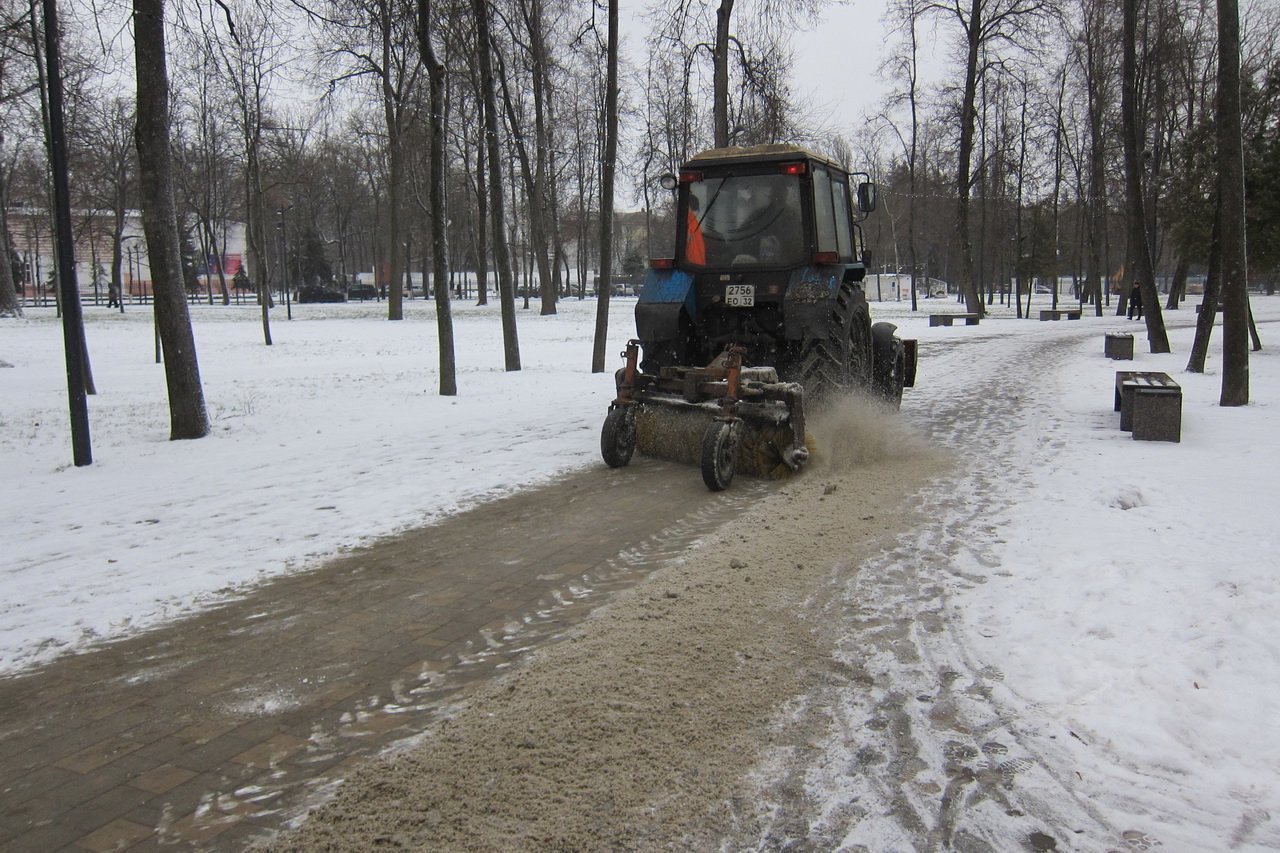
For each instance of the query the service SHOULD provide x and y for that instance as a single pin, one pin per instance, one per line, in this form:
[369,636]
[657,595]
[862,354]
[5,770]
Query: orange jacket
[695,248]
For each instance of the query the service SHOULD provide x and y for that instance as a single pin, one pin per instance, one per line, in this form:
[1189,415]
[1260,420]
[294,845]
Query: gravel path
[795,681]
[642,729]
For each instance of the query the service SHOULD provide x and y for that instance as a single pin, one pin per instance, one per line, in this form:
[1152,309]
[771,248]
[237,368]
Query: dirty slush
[641,730]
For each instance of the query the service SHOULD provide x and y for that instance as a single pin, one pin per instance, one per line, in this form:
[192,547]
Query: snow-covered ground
[1130,587]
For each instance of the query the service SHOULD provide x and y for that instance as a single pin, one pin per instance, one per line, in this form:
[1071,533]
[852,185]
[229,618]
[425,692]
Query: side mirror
[866,197]
[668,181]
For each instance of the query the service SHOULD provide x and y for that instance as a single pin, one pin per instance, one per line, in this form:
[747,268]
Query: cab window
[824,210]
[744,221]
[844,229]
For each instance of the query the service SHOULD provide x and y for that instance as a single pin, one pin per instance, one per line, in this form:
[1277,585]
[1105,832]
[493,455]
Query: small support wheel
[890,386]
[719,455]
[618,437]
[890,365]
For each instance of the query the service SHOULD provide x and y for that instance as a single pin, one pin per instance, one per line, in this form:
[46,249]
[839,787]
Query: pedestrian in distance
[1135,303]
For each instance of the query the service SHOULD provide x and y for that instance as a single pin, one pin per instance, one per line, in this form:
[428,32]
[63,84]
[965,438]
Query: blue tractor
[760,309]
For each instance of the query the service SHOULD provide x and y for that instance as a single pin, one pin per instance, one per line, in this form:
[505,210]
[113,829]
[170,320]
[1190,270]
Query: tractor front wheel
[618,437]
[719,455]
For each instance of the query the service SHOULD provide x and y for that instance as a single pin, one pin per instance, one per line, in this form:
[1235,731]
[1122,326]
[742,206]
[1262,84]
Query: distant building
[894,287]
[33,241]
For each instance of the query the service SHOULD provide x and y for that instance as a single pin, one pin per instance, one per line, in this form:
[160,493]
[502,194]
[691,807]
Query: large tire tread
[840,359]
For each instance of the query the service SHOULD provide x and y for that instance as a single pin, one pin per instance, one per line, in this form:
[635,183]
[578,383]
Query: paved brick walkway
[216,730]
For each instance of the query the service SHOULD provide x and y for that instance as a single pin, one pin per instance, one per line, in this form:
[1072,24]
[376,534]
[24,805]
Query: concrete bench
[1150,405]
[1157,414]
[948,319]
[1059,313]
[1119,346]
[1217,308]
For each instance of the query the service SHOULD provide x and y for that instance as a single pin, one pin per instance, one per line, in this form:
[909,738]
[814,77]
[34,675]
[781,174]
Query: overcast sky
[837,63]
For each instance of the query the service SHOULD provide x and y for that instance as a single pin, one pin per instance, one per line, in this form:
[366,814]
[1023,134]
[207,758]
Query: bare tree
[907,68]
[108,158]
[532,38]
[1094,59]
[606,192]
[10,305]
[15,84]
[986,25]
[506,287]
[249,60]
[1059,155]
[203,179]
[1135,209]
[439,240]
[373,39]
[475,172]
[1231,231]
[187,416]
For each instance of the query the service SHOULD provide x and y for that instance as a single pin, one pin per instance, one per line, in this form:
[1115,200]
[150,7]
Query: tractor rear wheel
[838,359]
[719,455]
[618,437]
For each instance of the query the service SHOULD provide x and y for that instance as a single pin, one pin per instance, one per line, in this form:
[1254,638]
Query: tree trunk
[255,232]
[74,348]
[911,167]
[439,232]
[539,215]
[1209,300]
[1136,220]
[502,255]
[187,416]
[606,192]
[9,304]
[532,171]
[1097,203]
[1021,236]
[482,223]
[1059,135]
[1235,296]
[1178,288]
[720,74]
[392,109]
[968,117]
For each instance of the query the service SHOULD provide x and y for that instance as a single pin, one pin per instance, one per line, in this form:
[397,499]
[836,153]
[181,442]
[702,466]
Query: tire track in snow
[908,742]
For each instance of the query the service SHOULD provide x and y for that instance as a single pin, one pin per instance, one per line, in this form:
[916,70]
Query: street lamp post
[133,255]
[284,261]
[130,248]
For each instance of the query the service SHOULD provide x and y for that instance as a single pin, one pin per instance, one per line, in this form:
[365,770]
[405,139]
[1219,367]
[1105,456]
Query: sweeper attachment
[764,288]
[724,417]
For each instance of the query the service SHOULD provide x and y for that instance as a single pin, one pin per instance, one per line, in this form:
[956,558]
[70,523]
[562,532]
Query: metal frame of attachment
[725,381]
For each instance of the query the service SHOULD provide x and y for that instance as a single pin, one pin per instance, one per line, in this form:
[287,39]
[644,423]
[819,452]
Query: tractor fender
[664,294]
[885,347]
[882,334]
[890,353]
[808,301]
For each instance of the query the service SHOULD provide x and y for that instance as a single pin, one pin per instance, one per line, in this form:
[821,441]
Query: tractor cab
[769,207]
[764,236]
[760,309]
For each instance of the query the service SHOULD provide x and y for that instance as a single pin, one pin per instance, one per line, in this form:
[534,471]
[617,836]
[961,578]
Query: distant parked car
[362,292]
[320,293]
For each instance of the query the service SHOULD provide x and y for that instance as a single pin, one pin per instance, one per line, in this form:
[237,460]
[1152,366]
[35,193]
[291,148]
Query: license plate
[740,295]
